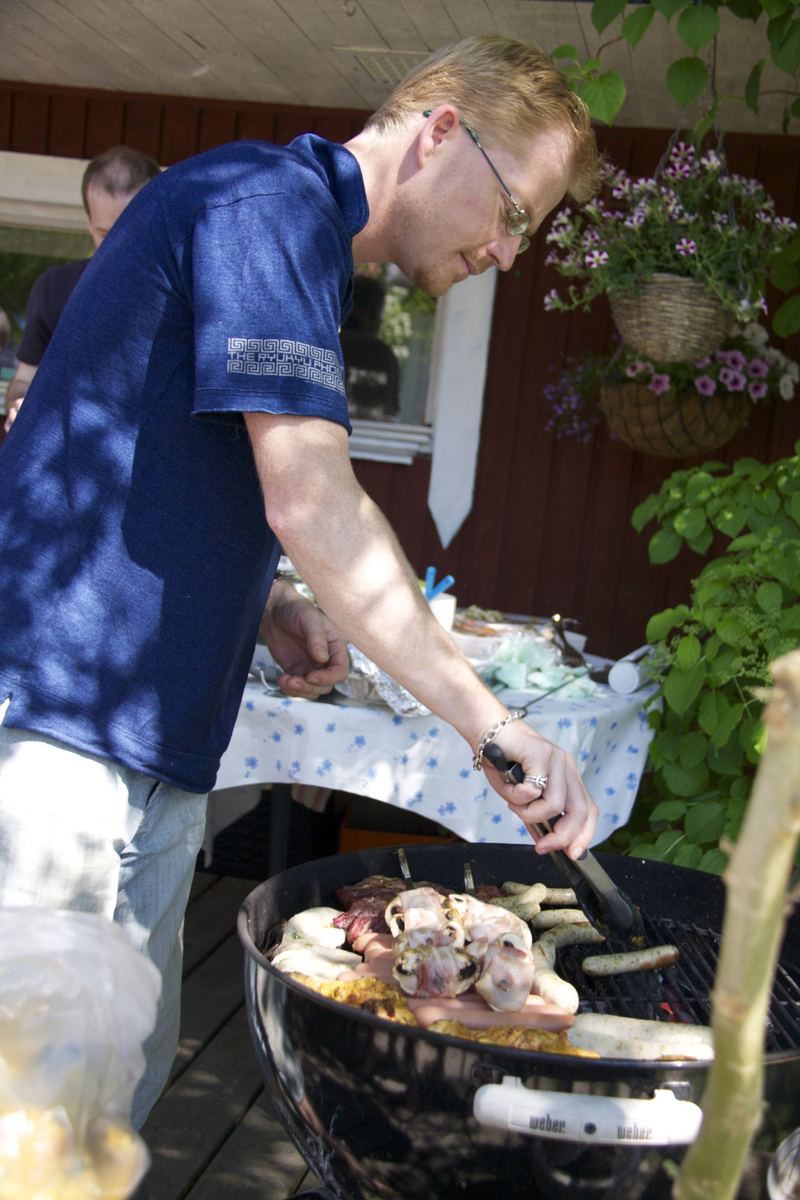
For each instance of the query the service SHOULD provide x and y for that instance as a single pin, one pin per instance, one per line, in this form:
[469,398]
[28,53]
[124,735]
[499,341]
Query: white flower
[755,334]
[786,387]
[551,300]
[792,370]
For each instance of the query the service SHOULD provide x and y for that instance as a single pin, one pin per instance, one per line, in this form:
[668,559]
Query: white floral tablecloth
[423,765]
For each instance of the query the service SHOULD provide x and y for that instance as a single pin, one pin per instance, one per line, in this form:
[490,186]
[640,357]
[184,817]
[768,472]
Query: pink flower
[686,246]
[636,368]
[734,381]
[757,389]
[702,362]
[705,385]
[659,384]
[758,369]
[721,356]
[736,360]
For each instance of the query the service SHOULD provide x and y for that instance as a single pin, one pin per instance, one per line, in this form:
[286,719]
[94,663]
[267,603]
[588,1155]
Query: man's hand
[307,646]
[564,792]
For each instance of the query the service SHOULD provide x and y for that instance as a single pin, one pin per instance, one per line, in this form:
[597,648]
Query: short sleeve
[38,328]
[270,274]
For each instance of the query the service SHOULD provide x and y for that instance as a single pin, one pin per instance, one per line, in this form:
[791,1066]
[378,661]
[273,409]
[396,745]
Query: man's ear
[441,125]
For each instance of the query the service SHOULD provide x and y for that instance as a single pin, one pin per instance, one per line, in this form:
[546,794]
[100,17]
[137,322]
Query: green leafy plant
[712,653]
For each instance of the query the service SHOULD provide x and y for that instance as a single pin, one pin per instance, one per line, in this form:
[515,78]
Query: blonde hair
[508,91]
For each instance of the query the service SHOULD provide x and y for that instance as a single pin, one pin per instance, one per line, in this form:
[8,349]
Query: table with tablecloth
[422,764]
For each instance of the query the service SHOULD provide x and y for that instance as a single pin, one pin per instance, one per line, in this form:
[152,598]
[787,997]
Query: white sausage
[559,916]
[546,982]
[633,960]
[628,1037]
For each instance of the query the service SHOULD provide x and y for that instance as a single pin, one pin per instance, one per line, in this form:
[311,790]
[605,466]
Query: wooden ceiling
[333,53]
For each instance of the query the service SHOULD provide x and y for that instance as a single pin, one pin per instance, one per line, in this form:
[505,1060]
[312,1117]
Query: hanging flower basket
[672,319]
[672,427]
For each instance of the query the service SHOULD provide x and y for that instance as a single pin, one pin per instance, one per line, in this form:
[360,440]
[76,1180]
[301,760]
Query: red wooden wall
[550,525]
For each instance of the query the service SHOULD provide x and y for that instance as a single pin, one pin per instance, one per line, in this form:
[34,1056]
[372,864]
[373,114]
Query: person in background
[371,371]
[187,426]
[110,181]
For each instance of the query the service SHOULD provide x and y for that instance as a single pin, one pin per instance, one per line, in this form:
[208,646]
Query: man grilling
[188,424]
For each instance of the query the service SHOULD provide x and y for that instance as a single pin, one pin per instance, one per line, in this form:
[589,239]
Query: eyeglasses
[518,220]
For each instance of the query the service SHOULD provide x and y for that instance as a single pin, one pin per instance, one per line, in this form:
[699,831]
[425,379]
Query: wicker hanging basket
[671,319]
[672,428]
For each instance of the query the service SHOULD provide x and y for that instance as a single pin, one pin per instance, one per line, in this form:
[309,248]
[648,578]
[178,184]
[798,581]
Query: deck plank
[194,1117]
[211,994]
[211,917]
[259,1161]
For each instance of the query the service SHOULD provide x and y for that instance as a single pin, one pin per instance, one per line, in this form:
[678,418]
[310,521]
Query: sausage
[559,916]
[546,982]
[545,1016]
[540,893]
[629,1037]
[371,938]
[632,960]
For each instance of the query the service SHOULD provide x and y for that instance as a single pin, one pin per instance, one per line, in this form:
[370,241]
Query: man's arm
[17,387]
[346,552]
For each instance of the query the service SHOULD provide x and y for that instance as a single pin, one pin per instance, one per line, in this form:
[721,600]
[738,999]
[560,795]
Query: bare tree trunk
[755,915]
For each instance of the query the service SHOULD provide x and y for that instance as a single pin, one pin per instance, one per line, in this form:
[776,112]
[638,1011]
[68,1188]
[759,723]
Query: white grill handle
[602,1120]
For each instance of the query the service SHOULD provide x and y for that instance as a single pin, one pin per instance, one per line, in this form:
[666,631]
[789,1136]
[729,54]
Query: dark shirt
[45,305]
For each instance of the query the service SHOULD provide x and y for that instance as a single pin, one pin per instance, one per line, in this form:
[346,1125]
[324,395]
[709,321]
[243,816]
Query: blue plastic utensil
[431,591]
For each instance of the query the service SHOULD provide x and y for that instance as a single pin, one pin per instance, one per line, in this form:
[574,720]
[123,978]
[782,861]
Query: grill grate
[684,989]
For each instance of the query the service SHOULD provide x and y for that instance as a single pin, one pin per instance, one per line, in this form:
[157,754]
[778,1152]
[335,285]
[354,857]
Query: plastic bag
[76,1004]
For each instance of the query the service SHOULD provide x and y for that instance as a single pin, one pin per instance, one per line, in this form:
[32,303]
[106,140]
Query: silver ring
[539,781]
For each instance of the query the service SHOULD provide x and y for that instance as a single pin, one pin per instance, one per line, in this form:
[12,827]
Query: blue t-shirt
[135,556]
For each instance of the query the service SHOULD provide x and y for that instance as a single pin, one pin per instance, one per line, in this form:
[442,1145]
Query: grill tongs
[609,909]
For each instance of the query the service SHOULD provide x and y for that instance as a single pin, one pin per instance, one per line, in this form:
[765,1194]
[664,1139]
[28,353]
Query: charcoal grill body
[383,1110]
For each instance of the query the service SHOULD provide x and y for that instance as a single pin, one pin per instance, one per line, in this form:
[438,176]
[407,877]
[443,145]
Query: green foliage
[712,655]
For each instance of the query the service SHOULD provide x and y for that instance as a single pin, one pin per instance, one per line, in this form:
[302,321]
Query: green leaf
[605,11]
[667,841]
[783,274]
[713,861]
[668,744]
[730,520]
[637,24]
[645,512]
[748,10]
[703,540]
[646,851]
[664,545]
[794,108]
[776,8]
[668,810]
[697,26]
[693,750]
[659,625]
[714,707]
[604,96]
[753,86]
[732,630]
[668,8]
[689,522]
[688,855]
[790,619]
[787,319]
[682,687]
[687,79]
[683,782]
[705,822]
[565,51]
[688,652]
[726,726]
[786,47]
[769,597]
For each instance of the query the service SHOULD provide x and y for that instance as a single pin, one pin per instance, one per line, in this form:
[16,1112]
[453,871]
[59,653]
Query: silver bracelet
[490,735]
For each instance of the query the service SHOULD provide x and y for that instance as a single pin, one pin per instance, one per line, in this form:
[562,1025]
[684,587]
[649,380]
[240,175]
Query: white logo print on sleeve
[280,356]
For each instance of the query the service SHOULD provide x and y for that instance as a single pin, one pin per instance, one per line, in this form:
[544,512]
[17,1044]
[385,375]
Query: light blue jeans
[81,832]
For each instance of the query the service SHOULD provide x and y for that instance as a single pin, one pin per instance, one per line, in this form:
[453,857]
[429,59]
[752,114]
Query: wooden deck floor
[214,1132]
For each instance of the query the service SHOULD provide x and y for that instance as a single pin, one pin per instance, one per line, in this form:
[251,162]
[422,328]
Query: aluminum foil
[367,682]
